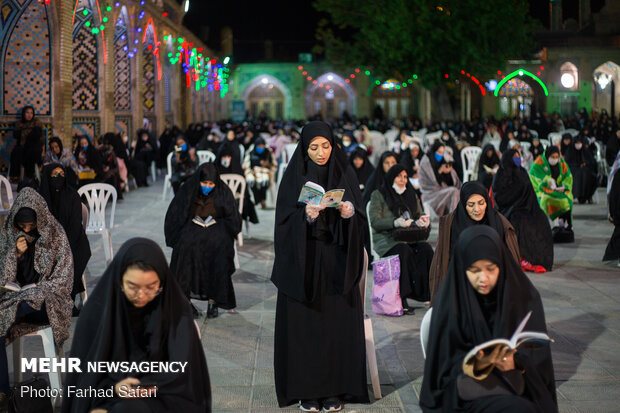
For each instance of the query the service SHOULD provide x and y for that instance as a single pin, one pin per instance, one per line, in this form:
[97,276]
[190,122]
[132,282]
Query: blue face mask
[517,161]
[85,146]
[259,150]
[206,189]
[438,157]
[184,147]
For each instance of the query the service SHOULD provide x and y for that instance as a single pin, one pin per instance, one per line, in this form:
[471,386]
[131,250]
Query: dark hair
[139,265]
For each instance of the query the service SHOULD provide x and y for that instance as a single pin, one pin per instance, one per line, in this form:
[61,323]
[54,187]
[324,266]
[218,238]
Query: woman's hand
[21,245]
[346,209]
[312,211]
[125,386]
[501,357]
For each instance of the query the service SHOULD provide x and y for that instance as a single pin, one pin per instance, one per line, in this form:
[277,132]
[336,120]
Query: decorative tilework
[167,97]
[123,125]
[48,130]
[122,68]
[148,72]
[27,70]
[86,126]
[85,69]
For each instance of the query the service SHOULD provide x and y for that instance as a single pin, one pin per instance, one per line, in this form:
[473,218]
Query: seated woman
[225,165]
[260,168]
[386,161]
[485,295]
[394,205]
[438,180]
[537,148]
[565,143]
[411,161]
[90,164]
[138,314]
[34,253]
[553,183]
[57,154]
[475,208]
[65,205]
[487,166]
[203,253]
[146,148]
[361,166]
[583,167]
[515,199]
[111,170]
[184,163]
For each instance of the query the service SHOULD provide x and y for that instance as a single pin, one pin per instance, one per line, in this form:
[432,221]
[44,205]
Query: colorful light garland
[520,72]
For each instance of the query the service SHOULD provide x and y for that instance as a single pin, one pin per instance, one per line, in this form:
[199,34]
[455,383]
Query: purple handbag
[386,290]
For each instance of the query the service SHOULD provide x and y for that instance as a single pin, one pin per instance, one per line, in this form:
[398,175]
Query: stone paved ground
[581,298]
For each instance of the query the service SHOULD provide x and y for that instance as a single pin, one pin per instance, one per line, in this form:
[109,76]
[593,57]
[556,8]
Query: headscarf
[25,127]
[407,159]
[536,151]
[575,157]
[57,140]
[489,161]
[376,178]
[399,204]
[462,220]
[463,318]
[366,170]
[431,157]
[104,332]
[564,146]
[180,209]
[291,225]
[255,157]
[555,169]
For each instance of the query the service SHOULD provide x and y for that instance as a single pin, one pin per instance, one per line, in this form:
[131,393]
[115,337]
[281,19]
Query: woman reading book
[201,225]
[484,296]
[320,356]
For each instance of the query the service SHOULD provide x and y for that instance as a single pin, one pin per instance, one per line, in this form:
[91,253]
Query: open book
[314,194]
[12,286]
[206,223]
[518,339]
[490,170]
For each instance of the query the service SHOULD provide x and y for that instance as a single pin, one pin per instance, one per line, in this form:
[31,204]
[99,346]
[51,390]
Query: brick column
[107,79]
[62,70]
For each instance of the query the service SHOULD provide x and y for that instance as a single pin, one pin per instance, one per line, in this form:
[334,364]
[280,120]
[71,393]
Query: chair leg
[240,239]
[153,172]
[372,357]
[166,188]
[17,359]
[107,245]
[49,350]
[237,265]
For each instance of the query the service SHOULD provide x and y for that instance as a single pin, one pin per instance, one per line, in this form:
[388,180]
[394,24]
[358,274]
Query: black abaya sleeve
[232,219]
[176,217]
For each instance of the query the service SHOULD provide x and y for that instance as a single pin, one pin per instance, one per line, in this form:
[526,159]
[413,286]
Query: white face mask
[225,161]
[578,146]
[399,189]
[554,161]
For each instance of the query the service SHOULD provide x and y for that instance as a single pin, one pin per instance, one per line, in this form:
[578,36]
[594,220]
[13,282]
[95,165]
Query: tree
[429,38]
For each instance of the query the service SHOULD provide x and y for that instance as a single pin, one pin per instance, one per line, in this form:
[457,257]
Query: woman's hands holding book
[346,209]
[312,211]
[501,357]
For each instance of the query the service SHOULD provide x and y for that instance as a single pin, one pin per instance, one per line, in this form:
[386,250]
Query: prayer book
[13,286]
[314,194]
[519,339]
[206,223]
[490,170]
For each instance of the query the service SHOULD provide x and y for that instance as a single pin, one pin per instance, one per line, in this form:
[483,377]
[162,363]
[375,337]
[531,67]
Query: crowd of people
[497,219]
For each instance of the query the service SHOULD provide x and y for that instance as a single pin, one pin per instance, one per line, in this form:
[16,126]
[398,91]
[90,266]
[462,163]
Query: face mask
[85,146]
[578,146]
[346,144]
[206,190]
[517,161]
[399,190]
[225,162]
[445,137]
[57,182]
[259,150]
[184,147]
[438,157]
[554,161]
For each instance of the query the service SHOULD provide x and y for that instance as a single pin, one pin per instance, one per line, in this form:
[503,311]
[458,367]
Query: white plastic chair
[97,197]
[153,171]
[554,138]
[168,177]
[545,143]
[50,351]
[374,254]
[469,157]
[525,146]
[424,330]
[534,132]
[281,171]
[9,196]
[205,156]
[236,183]
[84,294]
[369,336]
[430,138]
[289,149]
[573,132]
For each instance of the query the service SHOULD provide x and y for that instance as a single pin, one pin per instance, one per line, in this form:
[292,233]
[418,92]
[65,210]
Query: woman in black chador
[65,205]
[320,353]
[485,295]
[203,257]
[583,168]
[138,314]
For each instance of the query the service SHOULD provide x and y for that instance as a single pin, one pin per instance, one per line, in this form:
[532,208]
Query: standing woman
[27,152]
[203,257]
[137,313]
[320,353]
[485,295]
[583,168]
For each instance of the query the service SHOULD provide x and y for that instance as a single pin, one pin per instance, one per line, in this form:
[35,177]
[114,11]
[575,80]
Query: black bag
[411,234]
[28,403]
[562,235]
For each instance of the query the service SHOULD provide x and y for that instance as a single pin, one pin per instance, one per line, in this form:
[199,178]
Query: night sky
[291,25]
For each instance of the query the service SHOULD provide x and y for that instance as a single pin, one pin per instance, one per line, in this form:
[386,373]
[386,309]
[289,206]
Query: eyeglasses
[135,292]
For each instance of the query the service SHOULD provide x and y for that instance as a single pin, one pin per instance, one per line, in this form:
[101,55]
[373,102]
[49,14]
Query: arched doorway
[267,96]
[516,98]
[606,88]
[392,98]
[330,96]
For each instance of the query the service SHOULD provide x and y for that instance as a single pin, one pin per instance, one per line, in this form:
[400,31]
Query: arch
[327,78]
[122,63]
[607,87]
[520,72]
[266,79]
[26,65]
[569,70]
[605,73]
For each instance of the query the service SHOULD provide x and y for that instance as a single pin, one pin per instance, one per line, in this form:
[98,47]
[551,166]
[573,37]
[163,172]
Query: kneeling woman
[485,295]
[395,204]
[320,355]
[137,314]
[474,208]
[203,252]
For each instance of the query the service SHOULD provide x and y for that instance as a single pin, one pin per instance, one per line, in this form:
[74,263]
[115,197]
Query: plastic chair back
[375,256]
[6,185]
[545,143]
[205,156]
[554,137]
[525,146]
[469,157]
[290,150]
[97,197]
[425,329]
[236,183]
